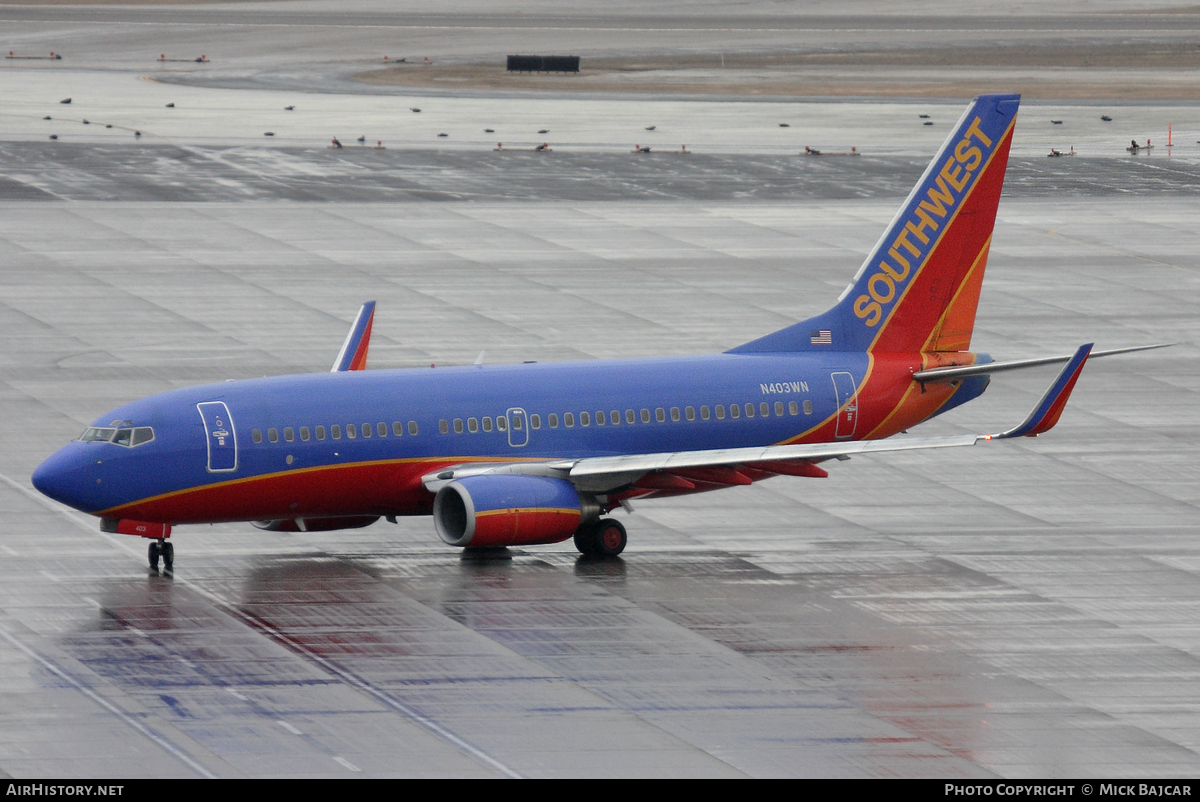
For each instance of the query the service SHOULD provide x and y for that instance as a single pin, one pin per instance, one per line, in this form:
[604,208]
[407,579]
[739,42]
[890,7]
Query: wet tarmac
[1018,609]
[1025,609]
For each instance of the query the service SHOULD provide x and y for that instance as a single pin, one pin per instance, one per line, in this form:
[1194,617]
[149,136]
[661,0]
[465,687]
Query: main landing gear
[604,538]
[164,549]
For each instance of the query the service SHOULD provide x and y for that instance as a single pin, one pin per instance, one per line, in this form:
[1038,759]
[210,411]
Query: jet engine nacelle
[509,510]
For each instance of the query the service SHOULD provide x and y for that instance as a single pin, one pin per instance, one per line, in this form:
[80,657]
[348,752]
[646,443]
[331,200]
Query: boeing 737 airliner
[529,454]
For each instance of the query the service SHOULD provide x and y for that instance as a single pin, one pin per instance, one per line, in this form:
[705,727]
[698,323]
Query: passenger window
[779,409]
[304,434]
[516,424]
[320,432]
[645,416]
[749,410]
[614,417]
[366,430]
[381,429]
[487,424]
[675,414]
[142,434]
[412,427]
[256,435]
[601,418]
[720,412]
[273,435]
[764,409]
[444,426]
[660,415]
[335,432]
[690,413]
[289,433]
[705,413]
[501,423]
[735,411]
[458,426]
[793,408]
[808,407]
[630,417]
[397,428]
[472,425]
[123,438]
[585,419]
[535,421]
[553,418]
[351,431]
[569,420]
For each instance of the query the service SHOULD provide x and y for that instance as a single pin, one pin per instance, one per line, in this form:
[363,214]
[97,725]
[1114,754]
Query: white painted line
[88,692]
[289,727]
[346,763]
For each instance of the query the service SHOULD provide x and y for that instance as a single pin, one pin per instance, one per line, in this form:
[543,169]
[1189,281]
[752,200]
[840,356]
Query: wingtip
[1046,414]
[353,355]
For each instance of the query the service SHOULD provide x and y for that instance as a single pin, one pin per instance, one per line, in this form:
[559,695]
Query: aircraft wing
[599,474]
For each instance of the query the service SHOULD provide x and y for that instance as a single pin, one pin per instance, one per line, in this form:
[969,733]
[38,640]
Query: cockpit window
[121,437]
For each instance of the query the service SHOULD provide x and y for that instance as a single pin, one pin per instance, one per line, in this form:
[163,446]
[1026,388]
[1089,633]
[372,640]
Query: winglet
[1048,410]
[353,355]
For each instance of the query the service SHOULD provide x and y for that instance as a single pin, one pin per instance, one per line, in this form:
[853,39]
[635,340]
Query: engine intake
[509,510]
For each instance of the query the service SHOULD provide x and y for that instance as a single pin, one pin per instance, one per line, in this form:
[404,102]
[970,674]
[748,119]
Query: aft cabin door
[222,442]
[847,402]
[518,428]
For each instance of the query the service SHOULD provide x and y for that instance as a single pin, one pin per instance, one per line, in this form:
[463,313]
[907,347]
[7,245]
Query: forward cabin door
[222,440]
[847,403]
[518,428]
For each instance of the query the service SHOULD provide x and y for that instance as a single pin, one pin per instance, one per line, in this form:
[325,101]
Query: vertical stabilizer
[919,288]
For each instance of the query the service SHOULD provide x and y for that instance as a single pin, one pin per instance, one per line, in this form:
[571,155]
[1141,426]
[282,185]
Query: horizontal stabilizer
[353,355]
[949,373]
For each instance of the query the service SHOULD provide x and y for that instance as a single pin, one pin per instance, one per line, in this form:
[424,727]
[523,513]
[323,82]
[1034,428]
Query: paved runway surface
[1017,609]
[1025,609]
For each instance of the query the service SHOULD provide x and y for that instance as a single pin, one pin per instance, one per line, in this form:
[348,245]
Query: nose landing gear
[164,549]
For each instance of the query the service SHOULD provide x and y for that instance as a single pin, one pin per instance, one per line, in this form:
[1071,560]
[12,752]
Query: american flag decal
[822,337]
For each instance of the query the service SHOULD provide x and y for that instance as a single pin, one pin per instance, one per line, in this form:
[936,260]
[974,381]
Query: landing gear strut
[604,538]
[164,549]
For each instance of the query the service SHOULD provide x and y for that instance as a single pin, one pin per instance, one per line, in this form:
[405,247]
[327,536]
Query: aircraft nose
[66,476]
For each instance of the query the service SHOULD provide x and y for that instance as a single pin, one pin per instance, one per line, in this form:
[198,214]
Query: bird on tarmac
[362,139]
[289,108]
[651,127]
[414,109]
[170,105]
[65,100]
[335,143]
[54,136]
